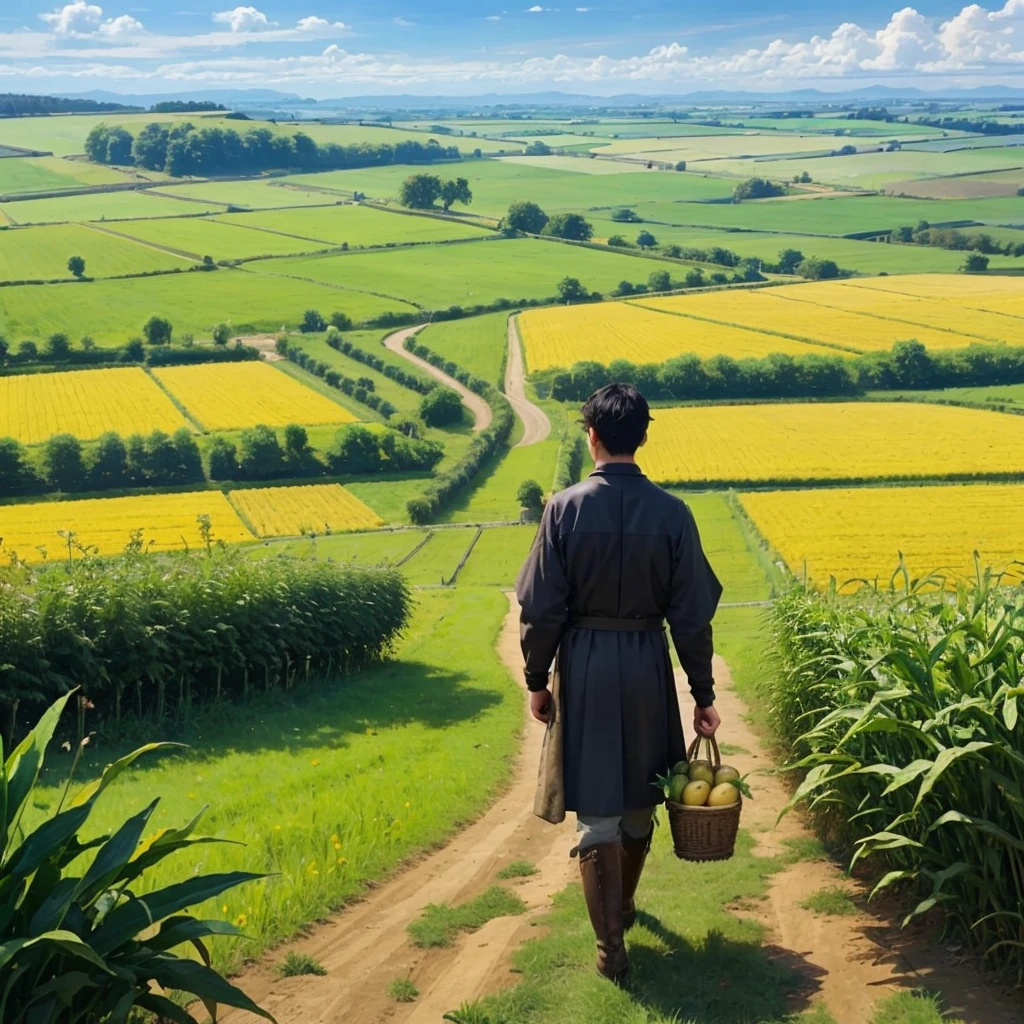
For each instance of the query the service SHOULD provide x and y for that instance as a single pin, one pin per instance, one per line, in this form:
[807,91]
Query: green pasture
[530,128]
[826,124]
[114,311]
[497,183]
[42,253]
[476,343]
[465,274]
[497,557]
[253,193]
[436,561]
[388,497]
[715,147]
[98,206]
[586,163]
[376,548]
[355,225]
[996,394]
[45,174]
[298,775]
[984,183]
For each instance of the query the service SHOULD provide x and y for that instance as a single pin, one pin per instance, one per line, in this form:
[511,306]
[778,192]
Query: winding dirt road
[477,406]
[536,425]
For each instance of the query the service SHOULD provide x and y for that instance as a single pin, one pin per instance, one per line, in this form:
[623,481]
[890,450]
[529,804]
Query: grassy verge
[328,788]
[440,923]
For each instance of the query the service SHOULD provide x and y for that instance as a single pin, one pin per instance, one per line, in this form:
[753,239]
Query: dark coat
[617,546]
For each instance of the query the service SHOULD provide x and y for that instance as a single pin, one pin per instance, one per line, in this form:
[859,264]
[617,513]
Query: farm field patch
[581,164]
[204,236]
[497,557]
[476,344]
[113,312]
[795,310]
[436,561]
[86,403]
[44,173]
[604,332]
[291,511]
[795,442]
[42,254]
[355,225]
[226,396]
[859,533]
[98,206]
[379,547]
[167,521]
[434,277]
[978,186]
[713,147]
[256,194]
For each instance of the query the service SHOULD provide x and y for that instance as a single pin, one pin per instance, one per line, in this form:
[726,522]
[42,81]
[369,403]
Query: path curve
[477,406]
[536,425]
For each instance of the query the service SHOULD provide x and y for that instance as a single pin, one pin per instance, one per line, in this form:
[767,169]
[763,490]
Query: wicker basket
[704,833]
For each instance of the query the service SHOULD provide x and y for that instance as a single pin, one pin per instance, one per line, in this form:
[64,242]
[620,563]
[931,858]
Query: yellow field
[167,521]
[948,287]
[294,511]
[86,403]
[769,309]
[227,396]
[829,441]
[859,533]
[603,332]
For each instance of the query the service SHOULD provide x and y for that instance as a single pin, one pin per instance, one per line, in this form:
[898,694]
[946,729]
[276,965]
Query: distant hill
[17,105]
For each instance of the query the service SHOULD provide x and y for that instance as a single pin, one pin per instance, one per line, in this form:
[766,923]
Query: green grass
[42,253]
[99,206]
[402,990]
[388,497]
[333,784]
[440,923]
[996,394]
[830,902]
[517,869]
[911,1008]
[257,194]
[366,548]
[435,562]
[804,847]
[476,343]
[114,311]
[497,557]
[434,277]
[45,174]
[295,965]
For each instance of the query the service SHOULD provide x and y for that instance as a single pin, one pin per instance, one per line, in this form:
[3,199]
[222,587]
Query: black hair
[620,415]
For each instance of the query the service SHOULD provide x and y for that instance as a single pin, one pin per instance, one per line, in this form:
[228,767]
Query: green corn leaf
[198,979]
[1010,712]
[176,930]
[163,1007]
[907,775]
[64,941]
[113,856]
[890,879]
[942,762]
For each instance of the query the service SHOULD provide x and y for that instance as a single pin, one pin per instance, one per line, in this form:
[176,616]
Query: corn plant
[902,711]
[77,944]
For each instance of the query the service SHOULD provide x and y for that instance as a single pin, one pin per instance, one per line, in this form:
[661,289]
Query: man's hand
[540,705]
[706,721]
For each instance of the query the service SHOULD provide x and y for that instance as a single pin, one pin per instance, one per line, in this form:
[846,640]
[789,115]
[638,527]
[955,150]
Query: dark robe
[617,546]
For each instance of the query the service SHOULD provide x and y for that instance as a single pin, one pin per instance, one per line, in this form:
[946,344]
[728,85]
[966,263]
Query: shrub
[223,459]
[526,217]
[63,464]
[312,322]
[441,407]
[221,334]
[572,226]
[530,496]
[58,347]
[158,330]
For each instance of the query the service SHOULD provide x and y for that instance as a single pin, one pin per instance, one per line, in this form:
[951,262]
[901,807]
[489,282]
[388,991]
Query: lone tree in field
[63,464]
[312,322]
[659,281]
[815,269]
[646,240]
[221,334]
[76,265]
[455,191]
[975,263]
[441,407]
[571,290]
[789,260]
[530,497]
[756,188]
[58,346]
[420,191]
[525,216]
[570,226]
[158,330]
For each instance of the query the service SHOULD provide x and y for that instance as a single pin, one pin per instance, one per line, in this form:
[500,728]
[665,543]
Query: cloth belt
[618,625]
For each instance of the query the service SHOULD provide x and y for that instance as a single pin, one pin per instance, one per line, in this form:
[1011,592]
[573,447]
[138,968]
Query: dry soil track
[477,406]
[536,425]
[847,962]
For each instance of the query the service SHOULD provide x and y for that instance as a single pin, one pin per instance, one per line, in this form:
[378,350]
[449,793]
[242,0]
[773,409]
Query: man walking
[614,559]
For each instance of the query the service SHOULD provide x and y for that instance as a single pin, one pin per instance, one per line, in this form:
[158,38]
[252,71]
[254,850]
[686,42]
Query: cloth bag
[549,801]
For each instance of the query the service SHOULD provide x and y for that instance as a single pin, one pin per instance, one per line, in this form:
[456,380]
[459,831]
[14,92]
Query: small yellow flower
[277,828]
[335,839]
[341,860]
[407,805]
[315,763]
[224,909]
[240,921]
[190,796]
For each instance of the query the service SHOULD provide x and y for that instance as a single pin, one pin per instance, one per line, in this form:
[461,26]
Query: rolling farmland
[226,396]
[313,509]
[85,403]
[101,206]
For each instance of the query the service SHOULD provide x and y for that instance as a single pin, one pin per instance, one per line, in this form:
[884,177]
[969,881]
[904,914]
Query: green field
[44,174]
[497,557]
[476,344]
[356,225]
[42,253]
[98,206]
[376,548]
[255,194]
[436,561]
[434,277]
[497,183]
[114,311]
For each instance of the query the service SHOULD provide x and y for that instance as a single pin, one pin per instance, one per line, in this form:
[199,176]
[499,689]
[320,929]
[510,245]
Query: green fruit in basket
[696,794]
[681,768]
[723,796]
[676,787]
[701,771]
[726,774]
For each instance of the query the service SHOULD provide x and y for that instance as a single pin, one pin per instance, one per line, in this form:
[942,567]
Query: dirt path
[536,425]
[477,406]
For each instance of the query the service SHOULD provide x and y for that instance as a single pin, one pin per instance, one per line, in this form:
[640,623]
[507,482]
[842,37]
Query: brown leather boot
[601,871]
[634,855]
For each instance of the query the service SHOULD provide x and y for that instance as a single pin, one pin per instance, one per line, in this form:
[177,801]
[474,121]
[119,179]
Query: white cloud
[242,19]
[493,17]
[74,18]
[320,25]
[535,9]
[125,25]
[403,23]
[582,10]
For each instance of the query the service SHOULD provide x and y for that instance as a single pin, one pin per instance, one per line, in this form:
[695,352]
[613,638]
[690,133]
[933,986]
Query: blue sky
[322,49]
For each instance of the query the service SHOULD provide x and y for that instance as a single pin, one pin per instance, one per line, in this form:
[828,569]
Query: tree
[420,191]
[680,165]
[789,260]
[457,191]
[355,450]
[1020,191]
[805,178]
[150,147]
[846,150]
[134,352]
[659,281]
[188,467]
[646,240]
[15,472]
[28,350]
[119,146]
[526,217]
[342,321]
[619,242]
[58,347]
[158,330]
[975,263]
[571,226]
[694,278]
[441,407]
[260,457]
[312,322]
[912,364]
[297,452]
[756,188]
[624,215]
[87,343]
[161,458]
[109,465]
[223,458]
[76,266]
[530,497]
[571,290]
[63,464]
[537,148]
[221,334]
[815,269]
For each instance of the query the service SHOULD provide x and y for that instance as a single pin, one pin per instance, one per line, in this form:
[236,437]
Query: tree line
[20,105]
[688,377]
[950,238]
[183,149]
